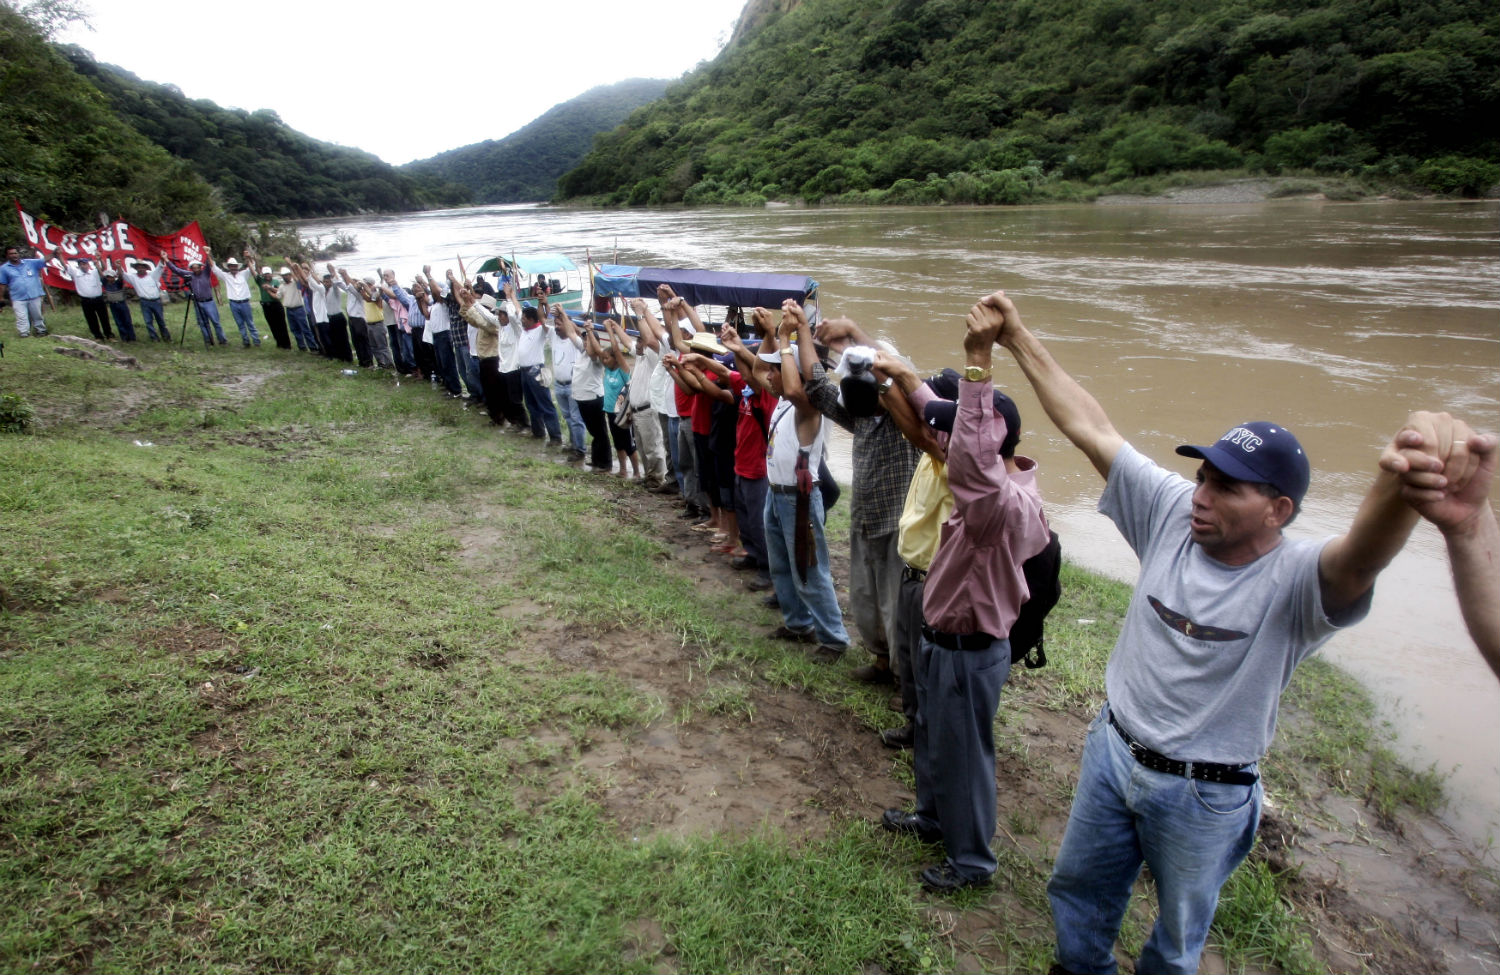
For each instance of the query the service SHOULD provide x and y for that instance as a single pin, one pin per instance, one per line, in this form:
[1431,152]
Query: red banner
[120,242]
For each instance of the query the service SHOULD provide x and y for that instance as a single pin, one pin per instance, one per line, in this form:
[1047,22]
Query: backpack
[1042,571]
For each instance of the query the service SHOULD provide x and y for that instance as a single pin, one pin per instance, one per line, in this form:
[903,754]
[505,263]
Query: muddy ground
[1404,895]
[1397,895]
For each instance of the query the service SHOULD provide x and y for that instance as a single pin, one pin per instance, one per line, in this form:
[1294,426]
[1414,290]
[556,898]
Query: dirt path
[731,753]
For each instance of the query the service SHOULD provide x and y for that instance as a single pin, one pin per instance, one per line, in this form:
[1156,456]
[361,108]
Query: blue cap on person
[1259,452]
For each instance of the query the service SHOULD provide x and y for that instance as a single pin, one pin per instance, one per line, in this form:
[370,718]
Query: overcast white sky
[361,73]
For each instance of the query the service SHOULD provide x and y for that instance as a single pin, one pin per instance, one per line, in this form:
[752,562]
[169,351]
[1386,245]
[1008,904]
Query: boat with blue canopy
[699,287]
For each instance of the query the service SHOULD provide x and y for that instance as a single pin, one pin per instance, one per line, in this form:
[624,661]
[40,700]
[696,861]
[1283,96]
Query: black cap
[940,413]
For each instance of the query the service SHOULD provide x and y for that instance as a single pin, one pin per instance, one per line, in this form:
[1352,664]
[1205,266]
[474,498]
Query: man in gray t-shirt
[1224,610]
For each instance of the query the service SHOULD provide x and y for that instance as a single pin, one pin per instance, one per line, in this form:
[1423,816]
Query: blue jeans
[406,359]
[750,514]
[245,320]
[28,316]
[1191,833]
[208,314]
[570,415]
[674,423]
[151,309]
[539,409]
[296,323]
[124,324]
[469,365]
[804,605]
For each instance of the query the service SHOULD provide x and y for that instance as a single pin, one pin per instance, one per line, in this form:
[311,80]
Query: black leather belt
[784,488]
[1204,771]
[909,574]
[958,641]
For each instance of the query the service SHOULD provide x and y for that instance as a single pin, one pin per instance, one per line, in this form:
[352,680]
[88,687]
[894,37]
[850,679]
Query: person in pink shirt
[975,588]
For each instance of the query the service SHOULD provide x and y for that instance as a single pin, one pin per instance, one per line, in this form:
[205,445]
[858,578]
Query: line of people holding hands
[943,513]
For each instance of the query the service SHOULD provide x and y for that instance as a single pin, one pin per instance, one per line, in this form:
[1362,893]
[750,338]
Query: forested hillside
[525,165]
[65,155]
[261,166]
[977,101]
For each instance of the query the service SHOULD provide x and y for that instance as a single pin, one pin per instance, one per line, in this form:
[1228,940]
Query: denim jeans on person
[750,514]
[208,314]
[29,316]
[245,320]
[1192,834]
[124,324]
[296,323]
[539,409]
[571,418]
[810,604]
[447,364]
[403,350]
[468,365]
[151,310]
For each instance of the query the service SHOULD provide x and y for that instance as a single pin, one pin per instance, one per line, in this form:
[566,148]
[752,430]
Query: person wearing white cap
[290,296]
[236,280]
[374,319]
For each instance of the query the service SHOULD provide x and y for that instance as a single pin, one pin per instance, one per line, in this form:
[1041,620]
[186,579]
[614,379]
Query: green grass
[274,699]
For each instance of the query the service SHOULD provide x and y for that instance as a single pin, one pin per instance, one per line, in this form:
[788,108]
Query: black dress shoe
[770,600]
[941,878]
[901,821]
[900,738]
[742,562]
[758,584]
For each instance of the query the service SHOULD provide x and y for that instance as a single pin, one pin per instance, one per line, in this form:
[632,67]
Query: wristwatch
[886,384]
[976,374]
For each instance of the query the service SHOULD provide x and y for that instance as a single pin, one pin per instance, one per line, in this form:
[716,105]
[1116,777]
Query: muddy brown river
[1334,319]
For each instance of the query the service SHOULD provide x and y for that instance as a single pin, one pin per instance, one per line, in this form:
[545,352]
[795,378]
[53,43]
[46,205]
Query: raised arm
[894,398]
[1446,471]
[591,346]
[840,333]
[1075,411]
[794,329]
[649,327]
[694,370]
[743,357]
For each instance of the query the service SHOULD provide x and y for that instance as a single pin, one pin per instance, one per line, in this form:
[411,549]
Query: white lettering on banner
[29,225]
[69,245]
[122,237]
[190,250]
[1244,439]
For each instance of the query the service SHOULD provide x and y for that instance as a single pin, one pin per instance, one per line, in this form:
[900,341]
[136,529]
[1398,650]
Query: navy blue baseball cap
[940,413]
[1259,452]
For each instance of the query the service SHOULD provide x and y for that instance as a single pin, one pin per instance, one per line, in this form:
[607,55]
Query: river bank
[307,671]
